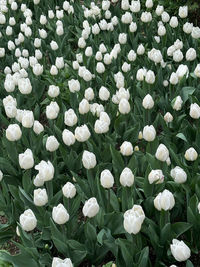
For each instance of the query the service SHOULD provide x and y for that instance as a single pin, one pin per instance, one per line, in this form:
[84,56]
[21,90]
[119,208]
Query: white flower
[40,197]
[38,127]
[135,6]
[191,154]
[57,262]
[133,219]
[149,3]
[89,94]
[53,91]
[191,54]
[69,190]
[28,220]
[60,214]
[122,38]
[140,49]
[162,153]
[104,94]
[179,175]
[161,30]
[187,27]
[26,160]
[159,10]
[165,17]
[37,69]
[149,133]
[1,175]
[146,17]
[183,11]
[125,4]
[168,117]
[90,208]
[74,85]
[124,106]
[164,201]
[127,18]
[27,119]
[133,27]
[180,250]
[70,118]
[52,144]
[106,179]
[182,70]
[127,177]
[46,170]
[195,111]
[126,149]
[89,160]
[150,77]
[177,104]
[82,133]
[156,176]
[13,132]
[173,22]
[100,68]
[197,71]
[101,126]
[148,102]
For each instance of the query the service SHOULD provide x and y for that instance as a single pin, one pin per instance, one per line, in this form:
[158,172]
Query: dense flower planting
[100,134]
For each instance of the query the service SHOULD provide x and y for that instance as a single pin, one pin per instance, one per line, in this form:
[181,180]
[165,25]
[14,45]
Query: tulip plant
[100,133]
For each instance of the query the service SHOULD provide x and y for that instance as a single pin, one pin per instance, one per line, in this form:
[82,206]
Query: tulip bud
[180,250]
[52,110]
[27,119]
[57,262]
[149,133]
[104,94]
[100,68]
[82,133]
[164,201]
[177,103]
[84,106]
[183,11]
[191,154]
[179,175]
[52,144]
[60,214]
[89,94]
[89,160]
[68,137]
[26,160]
[156,176]
[13,132]
[53,91]
[148,102]
[162,153]
[168,117]
[127,177]
[28,220]
[74,86]
[107,179]
[40,197]
[90,208]
[133,219]
[126,149]
[195,111]
[124,106]
[101,127]
[69,190]
[38,127]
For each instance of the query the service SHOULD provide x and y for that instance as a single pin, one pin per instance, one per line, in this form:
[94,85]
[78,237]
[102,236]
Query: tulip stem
[108,203]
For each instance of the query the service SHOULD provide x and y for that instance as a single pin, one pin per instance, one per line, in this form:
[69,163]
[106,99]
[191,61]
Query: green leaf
[118,162]
[179,228]
[144,257]
[6,167]
[182,136]
[18,260]
[186,92]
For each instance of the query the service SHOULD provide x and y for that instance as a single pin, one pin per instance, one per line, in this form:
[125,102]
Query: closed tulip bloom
[177,55]
[127,177]
[124,106]
[177,103]
[191,154]
[52,144]
[180,250]
[156,176]
[74,86]
[69,190]
[70,118]
[173,22]
[84,106]
[26,160]
[13,132]
[149,133]
[60,214]
[126,149]
[196,32]
[90,208]
[135,6]
[191,54]
[197,71]
[38,127]
[183,11]
[168,117]
[38,181]
[40,197]
[187,27]
[107,179]
[53,91]
[27,119]
[162,153]
[89,160]
[68,137]
[28,220]
[122,38]
[195,111]
[100,68]
[52,110]
[179,175]
[104,117]
[82,133]
[101,126]
[57,262]
[89,94]
[148,102]
[164,201]
[104,94]
[173,78]
[24,86]
[133,219]
[46,170]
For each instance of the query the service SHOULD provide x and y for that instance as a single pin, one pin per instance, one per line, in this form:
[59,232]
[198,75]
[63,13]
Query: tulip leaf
[186,92]
[181,136]
[179,228]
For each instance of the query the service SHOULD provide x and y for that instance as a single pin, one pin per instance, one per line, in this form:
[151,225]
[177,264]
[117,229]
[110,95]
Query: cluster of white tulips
[132,64]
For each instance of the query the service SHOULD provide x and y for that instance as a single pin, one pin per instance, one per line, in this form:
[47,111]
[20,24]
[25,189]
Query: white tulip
[156,176]
[164,201]
[60,214]
[126,149]
[40,197]
[28,220]
[90,208]
[133,219]
[180,250]
[106,179]
[179,175]
[126,177]
[69,190]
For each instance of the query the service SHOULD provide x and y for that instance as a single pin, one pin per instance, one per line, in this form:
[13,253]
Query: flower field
[100,134]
